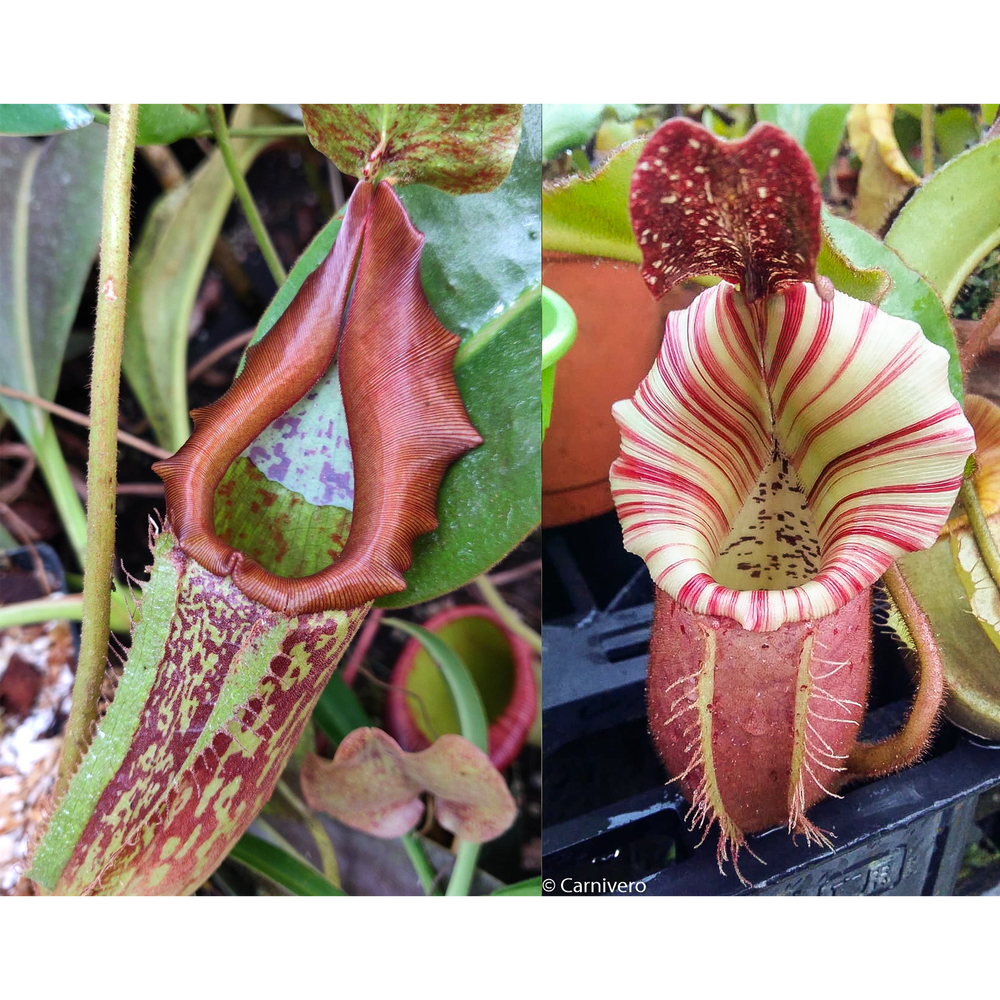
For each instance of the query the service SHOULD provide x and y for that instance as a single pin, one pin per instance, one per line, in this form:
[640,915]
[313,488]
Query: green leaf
[989,113]
[43,119]
[911,297]
[529,887]
[980,588]
[465,694]
[952,221]
[276,526]
[459,148]
[481,272]
[282,868]
[168,264]
[162,124]
[338,711]
[955,130]
[867,284]
[50,225]
[817,128]
[567,126]
[971,665]
[588,214]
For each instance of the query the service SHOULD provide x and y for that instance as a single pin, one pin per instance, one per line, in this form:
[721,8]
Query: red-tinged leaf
[405,418]
[459,148]
[747,211]
[373,785]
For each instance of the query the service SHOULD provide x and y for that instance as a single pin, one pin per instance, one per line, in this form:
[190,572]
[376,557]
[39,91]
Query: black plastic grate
[608,814]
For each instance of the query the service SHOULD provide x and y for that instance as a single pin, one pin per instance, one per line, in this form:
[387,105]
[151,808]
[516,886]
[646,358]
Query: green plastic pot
[558,334]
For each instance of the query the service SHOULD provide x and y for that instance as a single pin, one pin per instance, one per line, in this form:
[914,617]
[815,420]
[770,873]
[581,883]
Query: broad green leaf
[955,130]
[566,126]
[529,887]
[481,272]
[910,297]
[817,128]
[168,264]
[464,693]
[952,221]
[162,124]
[459,148]
[282,868]
[50,225]
[913,110]
[214,697]
[989,112]
[338,711]
[588,214]
[980,588]
[43,119]
[971,661]
[276,526]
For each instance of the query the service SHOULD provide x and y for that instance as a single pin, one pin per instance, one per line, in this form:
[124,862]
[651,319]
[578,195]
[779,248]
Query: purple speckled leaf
[307,449]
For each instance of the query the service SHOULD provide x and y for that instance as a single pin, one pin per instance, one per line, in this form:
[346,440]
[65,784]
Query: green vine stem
[465,868]
[218,119]
[68,608]
[507,614]
[980,529]
[421,863]
[927,138]
[327,853]
[102,472]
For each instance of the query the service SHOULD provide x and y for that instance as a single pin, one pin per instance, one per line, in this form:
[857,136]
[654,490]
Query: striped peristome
[778,457]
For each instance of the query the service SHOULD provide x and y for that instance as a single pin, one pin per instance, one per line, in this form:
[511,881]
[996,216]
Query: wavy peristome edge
[880,453]
[746,211]
[406,420]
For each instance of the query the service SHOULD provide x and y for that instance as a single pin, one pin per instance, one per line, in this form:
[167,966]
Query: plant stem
[927,138]
[221,130]
[101,117]
[980,338]
[78,418]
[980,528]
[421,863]
[327,854]
[465,868]
[68,608]
[109,334]
[267,131]
[60,483]
[507,614]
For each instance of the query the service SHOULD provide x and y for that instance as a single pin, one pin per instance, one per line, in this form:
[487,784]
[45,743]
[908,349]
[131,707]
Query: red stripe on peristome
[867,317]
[901,362]
[791,322]
[817,345]
[892,442]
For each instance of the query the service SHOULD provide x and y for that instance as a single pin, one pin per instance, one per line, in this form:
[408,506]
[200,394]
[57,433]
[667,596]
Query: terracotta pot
[619,332]
[500,663]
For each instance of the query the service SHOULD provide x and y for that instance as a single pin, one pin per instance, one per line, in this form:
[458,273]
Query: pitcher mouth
[780,455]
